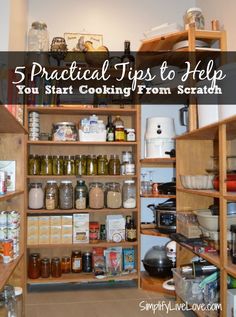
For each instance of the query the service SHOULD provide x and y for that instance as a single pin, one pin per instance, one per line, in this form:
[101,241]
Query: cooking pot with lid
[156,262]
[165,215]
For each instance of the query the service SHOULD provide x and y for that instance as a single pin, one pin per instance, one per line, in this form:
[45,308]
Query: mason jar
[69,165]
[36,196]
[81,195]
[51,195]
[80,165]
[34,165]
[66,195]
[96,195]
[113,195]
[57,165]
[114,165]
[129,194]
[46,165]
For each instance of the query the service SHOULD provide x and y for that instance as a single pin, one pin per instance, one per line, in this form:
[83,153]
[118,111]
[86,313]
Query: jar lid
[129,130]
[76,252]
[95,184]
[65,257]
[55,259]
[129,181]
[36,184]
[194,9]
[18,290]
[119,127]
[66,182]
[87,253]
[65,123]
[45,260]
[51,182]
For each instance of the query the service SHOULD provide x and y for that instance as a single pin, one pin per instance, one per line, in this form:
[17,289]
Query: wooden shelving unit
[50,115]
[158,196]
[154,232]
[12,147]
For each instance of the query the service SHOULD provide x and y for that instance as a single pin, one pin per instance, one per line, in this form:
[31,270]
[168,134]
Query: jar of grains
[36,196]
[113,195]
[129,194]
[66,195]
[51,195]
[81,195]
[96,195]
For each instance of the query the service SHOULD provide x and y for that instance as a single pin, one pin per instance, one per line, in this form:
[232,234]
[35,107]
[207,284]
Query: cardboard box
[32,239]
[67,230]
[10,168]
[44,221]
[32,230]
[115,228]
[55,238]
[55,220]
[44,230]
[66,238]
[44,239]
[66,220]
[80,228]
[32,220]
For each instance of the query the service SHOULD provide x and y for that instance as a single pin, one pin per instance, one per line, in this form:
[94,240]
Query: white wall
[116,20]
[4,24]
[224,11]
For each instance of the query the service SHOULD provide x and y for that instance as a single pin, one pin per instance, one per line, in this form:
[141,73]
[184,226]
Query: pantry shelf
[81,278]
[158,196]
[8,123]
[101,244]
[208,193]
[76,143]
[11,195]
[231,268]
[230,196]
[83,176]
[73,211]
[8,269]
[158,161]
[153,232]
[77,110]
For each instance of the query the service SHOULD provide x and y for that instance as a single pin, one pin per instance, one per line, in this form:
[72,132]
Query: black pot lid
[169,204]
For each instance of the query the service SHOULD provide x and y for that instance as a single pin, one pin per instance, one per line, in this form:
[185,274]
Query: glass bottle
[51,195]
[36,196]
[76,261]
[81,195]
[127,221]
[34,165]
[56,267]
[34,266]
[114,165]
[131,231]
[69,165]
[80,165]
[129,194]
[57,165]
[110,130]
[46,165]
[45,268]
[102,165]
[66,195]
[127,57]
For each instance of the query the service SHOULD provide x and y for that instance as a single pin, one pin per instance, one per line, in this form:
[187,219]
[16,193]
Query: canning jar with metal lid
[66,195]
[194,15]
[36,196]
[46,165]
[80,165]
[81,195]
[69,165]
[34,165]
[34,265]
[113,195]
[64,131]
[56,267]
[57,165]
[51,195]
[45,268]
[76,261]
[91,164]
[114,165]
[129,194]
[96,195]
[102,165]
[65,264]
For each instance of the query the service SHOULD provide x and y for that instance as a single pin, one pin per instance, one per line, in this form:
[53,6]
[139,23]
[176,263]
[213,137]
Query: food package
[113,258]
[128,259]
[99,264]
[115,228]
[10,168]
[80,228]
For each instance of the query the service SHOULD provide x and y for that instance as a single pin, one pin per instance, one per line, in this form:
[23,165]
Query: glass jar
[130,135]
[94,232]
[56,267]
[76,261]
[113,195]
[80,165]
[129,194]
[114,165]
[38,39]
[69,165]
[46,165]
[34,165]
[51,195]
[87,262]
[194,15]
[103,235]
[45,268]
[65,264]
[126,156]
[19,301]
[66,195]
[34,266]
[36,196]
[129,168]
[102,165]
[119,133]
[81,195]
[91,165]
[57,165]
[8,299]
[96,195]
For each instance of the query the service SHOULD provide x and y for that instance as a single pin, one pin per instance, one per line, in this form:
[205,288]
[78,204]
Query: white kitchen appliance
[159,135]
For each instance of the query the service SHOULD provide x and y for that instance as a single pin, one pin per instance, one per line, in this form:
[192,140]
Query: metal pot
[156,263]
[165,215]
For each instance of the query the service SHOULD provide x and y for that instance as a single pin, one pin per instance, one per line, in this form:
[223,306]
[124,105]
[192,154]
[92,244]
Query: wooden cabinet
[12,147]
[49,115]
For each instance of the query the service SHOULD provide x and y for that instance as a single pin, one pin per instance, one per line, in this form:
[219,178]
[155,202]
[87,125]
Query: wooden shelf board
[102,244]
[81,278]
[83,176]
[231,268]
[6,270]
[76,143]
[158,196]
[158,161]
[208,193]
[8,123]
[11,195]
[154,284]
[154,232]
[74,211]
[230,196]
[76,110]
